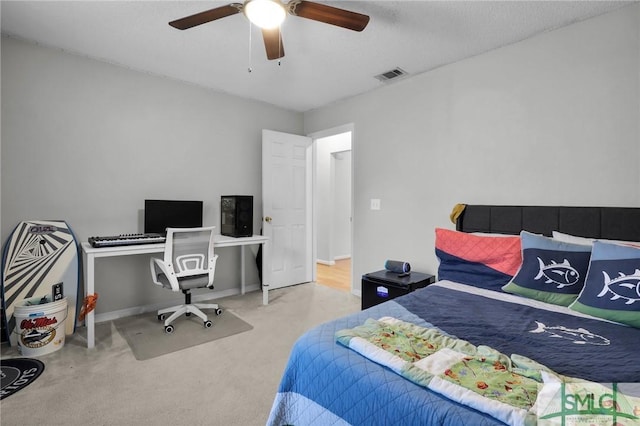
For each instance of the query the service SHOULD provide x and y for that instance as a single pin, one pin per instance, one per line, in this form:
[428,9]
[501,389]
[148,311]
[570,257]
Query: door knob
[268,219]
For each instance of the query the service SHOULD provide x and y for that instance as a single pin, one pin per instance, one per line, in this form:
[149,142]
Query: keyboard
[126,240]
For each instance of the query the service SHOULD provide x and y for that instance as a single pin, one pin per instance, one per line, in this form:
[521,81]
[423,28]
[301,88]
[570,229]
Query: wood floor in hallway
[336,276]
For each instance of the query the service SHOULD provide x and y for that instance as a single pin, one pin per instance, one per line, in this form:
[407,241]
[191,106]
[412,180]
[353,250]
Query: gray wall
[550,120]
[87,142]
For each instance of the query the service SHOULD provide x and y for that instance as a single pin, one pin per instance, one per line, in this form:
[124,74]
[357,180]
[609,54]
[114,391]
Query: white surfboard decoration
[37,255]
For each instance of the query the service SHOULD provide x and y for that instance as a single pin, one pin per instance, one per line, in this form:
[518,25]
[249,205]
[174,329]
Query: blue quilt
[574,346]
[325,383]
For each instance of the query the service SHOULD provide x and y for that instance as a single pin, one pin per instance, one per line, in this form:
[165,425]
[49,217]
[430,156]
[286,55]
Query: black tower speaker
[236,215]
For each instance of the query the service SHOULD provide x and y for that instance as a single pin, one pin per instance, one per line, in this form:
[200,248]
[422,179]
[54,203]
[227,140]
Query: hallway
[336,276]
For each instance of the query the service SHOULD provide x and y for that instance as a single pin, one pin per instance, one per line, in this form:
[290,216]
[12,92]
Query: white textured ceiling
[323,63]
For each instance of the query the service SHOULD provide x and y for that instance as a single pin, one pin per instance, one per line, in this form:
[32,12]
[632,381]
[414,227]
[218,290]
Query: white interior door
[286,208]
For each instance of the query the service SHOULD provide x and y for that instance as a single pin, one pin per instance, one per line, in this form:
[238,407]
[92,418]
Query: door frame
[345,128]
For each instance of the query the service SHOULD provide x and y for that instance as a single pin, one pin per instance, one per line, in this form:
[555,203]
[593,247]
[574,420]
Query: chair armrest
[159,263]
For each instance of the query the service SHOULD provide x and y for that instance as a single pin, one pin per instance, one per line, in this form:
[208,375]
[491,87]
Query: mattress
[329,383]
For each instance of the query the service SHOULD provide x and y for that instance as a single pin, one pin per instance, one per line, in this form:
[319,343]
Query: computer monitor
[162,214]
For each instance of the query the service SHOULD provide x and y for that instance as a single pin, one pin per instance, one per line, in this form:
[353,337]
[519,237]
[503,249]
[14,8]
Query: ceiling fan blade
[329,15]
[273,43]
[206,16]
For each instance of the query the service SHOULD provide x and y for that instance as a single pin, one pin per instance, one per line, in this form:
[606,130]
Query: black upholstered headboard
[615,223]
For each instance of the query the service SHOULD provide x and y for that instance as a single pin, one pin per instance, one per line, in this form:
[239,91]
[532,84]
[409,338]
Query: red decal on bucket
[37,323]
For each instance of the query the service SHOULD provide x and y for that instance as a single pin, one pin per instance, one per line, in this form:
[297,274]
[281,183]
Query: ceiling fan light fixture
[266,14]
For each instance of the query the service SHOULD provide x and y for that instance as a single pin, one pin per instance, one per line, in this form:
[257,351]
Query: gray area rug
[146,337]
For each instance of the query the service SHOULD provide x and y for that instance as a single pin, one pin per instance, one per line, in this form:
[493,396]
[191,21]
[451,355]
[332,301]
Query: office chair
[189,262]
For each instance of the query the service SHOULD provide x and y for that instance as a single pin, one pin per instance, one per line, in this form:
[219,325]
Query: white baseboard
[333,262]
[136,310]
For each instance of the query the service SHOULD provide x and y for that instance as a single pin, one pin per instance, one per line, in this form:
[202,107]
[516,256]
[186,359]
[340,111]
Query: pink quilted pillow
[481,260]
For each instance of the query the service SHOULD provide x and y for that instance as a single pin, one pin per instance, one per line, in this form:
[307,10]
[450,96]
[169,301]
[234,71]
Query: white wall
[330,212]
[552,120]
[341,232]
[87,142]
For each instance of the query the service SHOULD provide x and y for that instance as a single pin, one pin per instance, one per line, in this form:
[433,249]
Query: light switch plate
[375,204]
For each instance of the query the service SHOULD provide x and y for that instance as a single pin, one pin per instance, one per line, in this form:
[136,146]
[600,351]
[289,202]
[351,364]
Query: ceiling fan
[269,14]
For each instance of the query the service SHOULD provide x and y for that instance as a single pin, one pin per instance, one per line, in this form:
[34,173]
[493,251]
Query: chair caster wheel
[188,314]
[218,311]
[208,324]
[168,329]
[161,317]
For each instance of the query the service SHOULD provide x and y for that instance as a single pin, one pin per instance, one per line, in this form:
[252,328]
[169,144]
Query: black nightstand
[380,286]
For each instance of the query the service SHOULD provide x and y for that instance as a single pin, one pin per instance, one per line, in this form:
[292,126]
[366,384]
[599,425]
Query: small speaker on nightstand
[236,213]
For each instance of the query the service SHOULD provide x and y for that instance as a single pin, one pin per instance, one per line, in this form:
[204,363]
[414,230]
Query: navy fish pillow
[552,271]
[612,288]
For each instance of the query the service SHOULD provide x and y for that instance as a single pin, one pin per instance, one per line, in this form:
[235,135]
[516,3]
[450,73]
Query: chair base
[192,308]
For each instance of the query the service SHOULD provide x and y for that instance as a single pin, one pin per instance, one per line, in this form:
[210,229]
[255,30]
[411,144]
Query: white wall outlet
[375,204]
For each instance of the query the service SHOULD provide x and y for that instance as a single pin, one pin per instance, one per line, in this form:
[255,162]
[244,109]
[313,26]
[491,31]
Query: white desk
[89,254]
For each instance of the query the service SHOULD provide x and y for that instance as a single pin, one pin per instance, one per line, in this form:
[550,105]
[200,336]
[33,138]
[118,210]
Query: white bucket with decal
[40,326]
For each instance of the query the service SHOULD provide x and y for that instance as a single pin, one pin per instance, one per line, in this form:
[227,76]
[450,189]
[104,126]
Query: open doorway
[332,210]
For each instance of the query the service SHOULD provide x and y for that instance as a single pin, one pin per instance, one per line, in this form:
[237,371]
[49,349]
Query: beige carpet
[146,337]
[230,381]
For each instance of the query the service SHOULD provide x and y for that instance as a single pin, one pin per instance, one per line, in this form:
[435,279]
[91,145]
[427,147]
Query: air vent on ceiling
[391,75]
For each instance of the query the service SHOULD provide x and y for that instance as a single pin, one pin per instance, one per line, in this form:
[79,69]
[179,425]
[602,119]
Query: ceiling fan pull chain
[249,69]
[280,45]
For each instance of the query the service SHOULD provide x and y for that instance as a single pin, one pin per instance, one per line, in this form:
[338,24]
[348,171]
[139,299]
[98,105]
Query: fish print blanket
[477,376]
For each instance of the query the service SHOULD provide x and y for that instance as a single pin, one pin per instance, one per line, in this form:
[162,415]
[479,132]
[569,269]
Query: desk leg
[242,273]
[265,284]
[89,278]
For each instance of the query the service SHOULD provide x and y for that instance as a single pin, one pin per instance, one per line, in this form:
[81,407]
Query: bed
[502,312]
